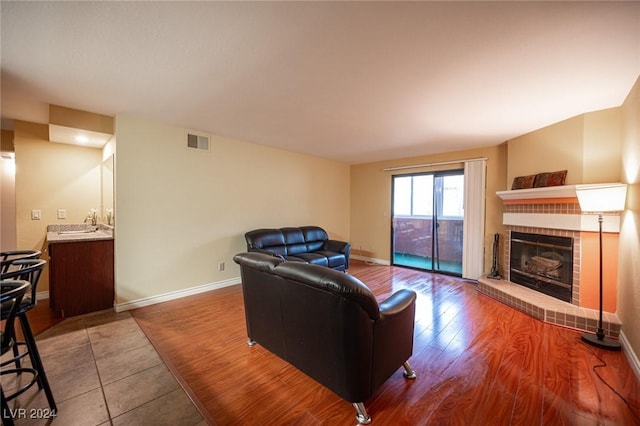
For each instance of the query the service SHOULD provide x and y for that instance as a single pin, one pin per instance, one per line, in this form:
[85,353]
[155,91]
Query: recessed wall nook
[553,276]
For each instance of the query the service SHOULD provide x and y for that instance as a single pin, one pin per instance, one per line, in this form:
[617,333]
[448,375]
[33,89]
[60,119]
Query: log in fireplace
[543,263]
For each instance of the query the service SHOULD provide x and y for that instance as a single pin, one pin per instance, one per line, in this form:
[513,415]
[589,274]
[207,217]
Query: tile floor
[104,371]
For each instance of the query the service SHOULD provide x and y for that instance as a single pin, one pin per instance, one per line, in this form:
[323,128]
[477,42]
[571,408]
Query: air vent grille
[195,141]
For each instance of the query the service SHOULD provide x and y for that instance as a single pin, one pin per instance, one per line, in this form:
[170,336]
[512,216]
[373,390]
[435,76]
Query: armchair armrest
[397,303]
[393,334]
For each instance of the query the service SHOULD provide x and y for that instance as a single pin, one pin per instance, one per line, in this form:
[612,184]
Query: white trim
[42,295]
[631,356]
[570,222]
[439,163]
[366,259]
[134,304]
[562,191]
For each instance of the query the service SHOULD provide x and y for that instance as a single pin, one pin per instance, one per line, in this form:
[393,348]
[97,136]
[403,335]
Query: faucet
[93,217]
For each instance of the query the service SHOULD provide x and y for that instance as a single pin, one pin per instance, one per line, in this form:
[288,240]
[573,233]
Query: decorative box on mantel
[554,212]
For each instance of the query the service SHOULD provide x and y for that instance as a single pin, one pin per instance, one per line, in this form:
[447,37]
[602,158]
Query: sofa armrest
[337,246]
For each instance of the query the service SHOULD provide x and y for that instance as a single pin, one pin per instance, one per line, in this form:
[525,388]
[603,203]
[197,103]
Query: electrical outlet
[221,266]
[35,214]
[62,213]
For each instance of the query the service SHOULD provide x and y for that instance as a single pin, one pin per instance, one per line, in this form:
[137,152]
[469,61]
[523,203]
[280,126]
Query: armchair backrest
[318,319]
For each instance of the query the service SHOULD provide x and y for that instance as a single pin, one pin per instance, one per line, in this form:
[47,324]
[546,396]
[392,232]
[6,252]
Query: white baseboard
[134,304]
[631,355]
[42,295]
[371,260]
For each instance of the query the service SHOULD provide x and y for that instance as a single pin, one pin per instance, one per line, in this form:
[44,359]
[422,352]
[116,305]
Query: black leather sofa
[309,244]
[327,324]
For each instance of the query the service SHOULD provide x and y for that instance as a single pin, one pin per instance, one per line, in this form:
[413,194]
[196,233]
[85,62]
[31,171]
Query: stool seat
[7,257]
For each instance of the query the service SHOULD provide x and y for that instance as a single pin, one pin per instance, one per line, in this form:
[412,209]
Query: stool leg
[7,419]
[16,355]
[43,382]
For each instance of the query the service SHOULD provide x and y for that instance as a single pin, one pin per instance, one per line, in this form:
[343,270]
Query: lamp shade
[608,197]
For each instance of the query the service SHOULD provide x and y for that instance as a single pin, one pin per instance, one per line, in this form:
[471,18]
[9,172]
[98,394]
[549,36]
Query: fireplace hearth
[543,263]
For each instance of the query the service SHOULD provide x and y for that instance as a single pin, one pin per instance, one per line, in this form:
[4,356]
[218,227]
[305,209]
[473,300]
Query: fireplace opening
[543,263]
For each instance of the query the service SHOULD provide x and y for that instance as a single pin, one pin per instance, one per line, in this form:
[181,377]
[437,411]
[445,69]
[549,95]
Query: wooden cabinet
[81,276]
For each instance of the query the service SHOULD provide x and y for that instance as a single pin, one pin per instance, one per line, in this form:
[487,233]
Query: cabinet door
[81,276]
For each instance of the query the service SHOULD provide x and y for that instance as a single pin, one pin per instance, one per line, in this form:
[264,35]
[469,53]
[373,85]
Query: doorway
[427,221]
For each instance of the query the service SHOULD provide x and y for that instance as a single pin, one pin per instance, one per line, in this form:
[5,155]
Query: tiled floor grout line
[95,362]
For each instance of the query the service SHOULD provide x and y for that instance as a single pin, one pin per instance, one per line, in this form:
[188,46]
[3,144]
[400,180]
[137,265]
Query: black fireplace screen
[543,263]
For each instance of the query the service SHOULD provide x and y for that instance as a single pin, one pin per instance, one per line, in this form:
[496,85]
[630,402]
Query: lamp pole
[599,338]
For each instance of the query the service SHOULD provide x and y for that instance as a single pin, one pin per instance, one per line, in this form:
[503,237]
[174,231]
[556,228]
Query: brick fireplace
[555,212]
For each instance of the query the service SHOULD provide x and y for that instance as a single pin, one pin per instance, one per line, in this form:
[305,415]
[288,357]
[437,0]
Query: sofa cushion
[294,259]
[314,234]
[264,238]
[333,258]
[292,236]
[315,258]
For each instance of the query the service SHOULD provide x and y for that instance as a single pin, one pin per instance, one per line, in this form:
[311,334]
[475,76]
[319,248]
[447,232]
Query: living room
[180,213]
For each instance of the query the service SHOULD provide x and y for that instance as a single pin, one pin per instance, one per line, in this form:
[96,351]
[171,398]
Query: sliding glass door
[428,220]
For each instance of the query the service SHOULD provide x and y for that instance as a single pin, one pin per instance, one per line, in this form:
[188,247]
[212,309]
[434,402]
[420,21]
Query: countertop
[75,232]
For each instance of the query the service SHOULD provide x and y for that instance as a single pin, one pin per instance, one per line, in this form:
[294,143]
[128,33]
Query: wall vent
[196,141]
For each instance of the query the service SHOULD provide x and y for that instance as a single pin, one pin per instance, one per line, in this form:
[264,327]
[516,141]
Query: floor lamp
[599,199]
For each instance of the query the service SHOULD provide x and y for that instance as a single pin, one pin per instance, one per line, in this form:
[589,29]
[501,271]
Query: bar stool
[28,270]
[6,257]
[11,294]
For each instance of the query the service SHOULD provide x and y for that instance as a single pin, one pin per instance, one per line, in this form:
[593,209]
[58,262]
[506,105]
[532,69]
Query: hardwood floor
[478,362]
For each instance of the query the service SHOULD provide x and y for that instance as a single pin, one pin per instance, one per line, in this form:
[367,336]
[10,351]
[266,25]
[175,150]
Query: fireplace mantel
[563,191]
[551,218]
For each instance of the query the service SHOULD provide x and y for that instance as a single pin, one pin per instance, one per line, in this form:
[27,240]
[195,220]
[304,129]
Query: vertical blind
[475,175]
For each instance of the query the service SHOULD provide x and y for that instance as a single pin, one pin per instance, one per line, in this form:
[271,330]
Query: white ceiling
[352,81]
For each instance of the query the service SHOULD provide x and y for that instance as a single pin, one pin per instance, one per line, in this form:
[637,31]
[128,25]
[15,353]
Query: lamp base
[604,343]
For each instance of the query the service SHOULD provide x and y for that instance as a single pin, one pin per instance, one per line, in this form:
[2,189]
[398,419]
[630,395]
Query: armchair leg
[409,373]
[361,414]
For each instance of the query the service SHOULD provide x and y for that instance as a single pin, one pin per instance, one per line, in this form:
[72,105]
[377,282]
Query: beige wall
[556,147]
[179,212]
[371,199]
[602,146]
[587,146]
[629,266]
[51,176]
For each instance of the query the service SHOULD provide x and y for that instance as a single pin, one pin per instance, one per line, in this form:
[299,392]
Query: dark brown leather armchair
[327,324]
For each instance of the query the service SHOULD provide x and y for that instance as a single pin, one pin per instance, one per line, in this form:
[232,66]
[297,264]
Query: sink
[84,231]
